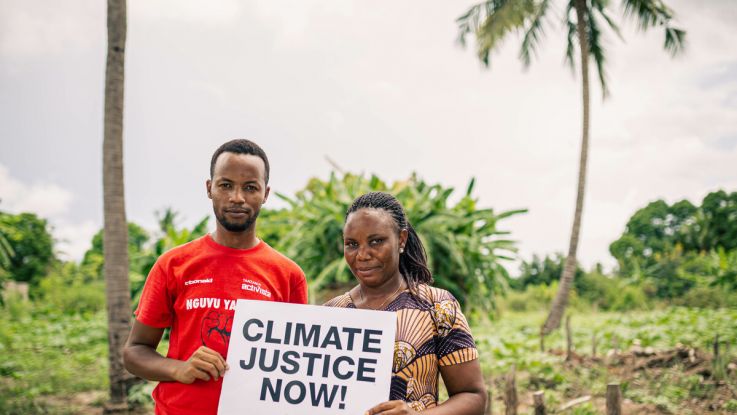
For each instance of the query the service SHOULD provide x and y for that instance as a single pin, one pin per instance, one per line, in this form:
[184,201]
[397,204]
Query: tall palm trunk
[115,242]
[566,280]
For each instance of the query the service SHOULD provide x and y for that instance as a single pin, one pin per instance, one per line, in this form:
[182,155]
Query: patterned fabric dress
[431,332]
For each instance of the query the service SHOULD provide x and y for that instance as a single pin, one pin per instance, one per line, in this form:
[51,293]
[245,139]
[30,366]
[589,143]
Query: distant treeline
[680,253]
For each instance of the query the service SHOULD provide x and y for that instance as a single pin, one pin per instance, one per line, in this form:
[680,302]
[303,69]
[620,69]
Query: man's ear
[266,194]
[208,184]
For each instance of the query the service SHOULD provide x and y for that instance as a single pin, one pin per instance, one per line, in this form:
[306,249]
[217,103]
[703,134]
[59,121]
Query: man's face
[237,189]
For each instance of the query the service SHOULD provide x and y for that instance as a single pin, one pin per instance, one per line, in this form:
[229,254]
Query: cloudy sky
[377,86]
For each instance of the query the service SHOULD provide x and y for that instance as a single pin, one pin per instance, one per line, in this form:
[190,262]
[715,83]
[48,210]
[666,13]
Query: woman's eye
[376,241]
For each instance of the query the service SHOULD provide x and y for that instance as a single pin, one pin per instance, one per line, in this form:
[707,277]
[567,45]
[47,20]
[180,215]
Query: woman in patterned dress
[433,338]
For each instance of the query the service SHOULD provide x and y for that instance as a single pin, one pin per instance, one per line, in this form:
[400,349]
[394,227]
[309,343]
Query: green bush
[69,289]
[534,298]
[465,247]
[708,297]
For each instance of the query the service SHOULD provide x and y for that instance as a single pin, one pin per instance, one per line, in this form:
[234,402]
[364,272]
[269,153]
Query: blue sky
[380,87]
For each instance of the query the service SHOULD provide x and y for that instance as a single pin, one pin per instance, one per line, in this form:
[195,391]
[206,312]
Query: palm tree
[583,21]
[116,231]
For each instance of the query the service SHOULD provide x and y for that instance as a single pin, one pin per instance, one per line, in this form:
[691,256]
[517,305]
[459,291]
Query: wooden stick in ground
[613,399]
[593,344]
[510,393]
[716,346]
[569,342]
[542,341]
[538,400]
[489,408]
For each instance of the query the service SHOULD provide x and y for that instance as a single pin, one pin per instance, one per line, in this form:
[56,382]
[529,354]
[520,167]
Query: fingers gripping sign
[391,408]
[204,364]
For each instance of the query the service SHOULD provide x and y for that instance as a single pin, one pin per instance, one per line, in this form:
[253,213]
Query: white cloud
[188,11]
[381,87]
[44,199]
[31,29]
[51,202]
[73,239]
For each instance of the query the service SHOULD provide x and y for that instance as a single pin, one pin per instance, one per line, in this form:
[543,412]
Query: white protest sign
[303,359]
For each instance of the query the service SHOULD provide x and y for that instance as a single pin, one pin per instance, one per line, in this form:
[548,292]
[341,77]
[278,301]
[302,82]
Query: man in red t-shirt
[193,288]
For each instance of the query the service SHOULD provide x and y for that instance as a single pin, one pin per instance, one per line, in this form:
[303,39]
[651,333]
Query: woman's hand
[392,408]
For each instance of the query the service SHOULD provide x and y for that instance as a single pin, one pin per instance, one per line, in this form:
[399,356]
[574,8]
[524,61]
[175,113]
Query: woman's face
[371,246]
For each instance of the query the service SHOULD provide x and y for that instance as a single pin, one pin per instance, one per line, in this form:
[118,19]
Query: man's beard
[237,227]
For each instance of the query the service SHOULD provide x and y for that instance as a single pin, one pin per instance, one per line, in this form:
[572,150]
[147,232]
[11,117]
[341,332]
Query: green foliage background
[465,248]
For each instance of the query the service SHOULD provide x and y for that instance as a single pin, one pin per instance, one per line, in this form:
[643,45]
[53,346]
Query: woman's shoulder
[434,294]
[343,300]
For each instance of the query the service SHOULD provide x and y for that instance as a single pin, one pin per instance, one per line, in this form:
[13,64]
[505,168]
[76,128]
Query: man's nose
[238,196]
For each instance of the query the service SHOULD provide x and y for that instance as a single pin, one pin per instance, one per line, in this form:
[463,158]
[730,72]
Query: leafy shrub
[464,246]
[535,298]
[70,289]
[707,297]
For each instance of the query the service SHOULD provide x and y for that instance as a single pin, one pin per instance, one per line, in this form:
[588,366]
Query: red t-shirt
[193,289]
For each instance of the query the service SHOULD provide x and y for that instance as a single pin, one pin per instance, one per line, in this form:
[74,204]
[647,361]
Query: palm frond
[534,33]
[675,40]
[572,35]
[652,13]
[491,21]
[601,7]
[596,50]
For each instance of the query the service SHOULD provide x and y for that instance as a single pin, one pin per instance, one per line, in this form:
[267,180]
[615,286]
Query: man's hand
[204,364]
[391,408]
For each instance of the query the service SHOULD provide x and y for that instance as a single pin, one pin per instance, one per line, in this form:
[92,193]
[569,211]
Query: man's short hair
[240,146]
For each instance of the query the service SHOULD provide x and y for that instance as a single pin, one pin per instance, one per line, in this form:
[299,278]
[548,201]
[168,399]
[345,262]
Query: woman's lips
[366,270]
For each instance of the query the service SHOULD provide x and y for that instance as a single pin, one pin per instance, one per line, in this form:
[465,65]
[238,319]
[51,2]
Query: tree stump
[510,392]
[613,399]
[538,400]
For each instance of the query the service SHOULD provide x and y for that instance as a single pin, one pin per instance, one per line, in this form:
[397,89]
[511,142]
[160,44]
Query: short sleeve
[298,291]
[155,308]
[454,343]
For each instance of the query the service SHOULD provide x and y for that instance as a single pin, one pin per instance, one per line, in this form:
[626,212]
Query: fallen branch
[577,401]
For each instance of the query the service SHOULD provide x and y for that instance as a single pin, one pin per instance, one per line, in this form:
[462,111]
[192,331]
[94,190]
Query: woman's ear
[403,236]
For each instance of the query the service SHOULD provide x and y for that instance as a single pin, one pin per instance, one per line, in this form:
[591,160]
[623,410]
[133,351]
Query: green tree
[29,239]
[492,20]
[117,289]
[464,246]
[168,236]
[658,229]
[542,271]
[93,259]
[718,221]
[654,230]
[6,252]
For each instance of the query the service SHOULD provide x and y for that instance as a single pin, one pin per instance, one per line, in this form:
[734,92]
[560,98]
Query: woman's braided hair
[413,261]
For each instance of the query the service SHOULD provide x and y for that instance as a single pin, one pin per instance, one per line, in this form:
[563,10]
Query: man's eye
[251,188]
[225,185]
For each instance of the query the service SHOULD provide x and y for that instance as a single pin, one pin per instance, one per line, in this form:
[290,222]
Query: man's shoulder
[280,260]
[183,251]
